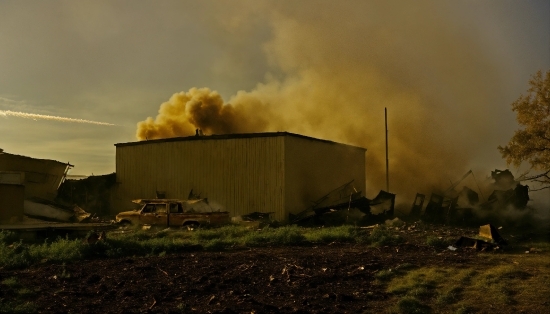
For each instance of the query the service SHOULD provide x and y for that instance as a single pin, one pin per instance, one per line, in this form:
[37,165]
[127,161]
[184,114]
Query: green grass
[16,303]
[10,282]
[411,305]
[138,242]
[381,236]
[506,280]
[333,234]
[437,242]
[11,307]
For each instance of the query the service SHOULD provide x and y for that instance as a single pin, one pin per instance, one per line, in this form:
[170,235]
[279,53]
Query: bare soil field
[333,278]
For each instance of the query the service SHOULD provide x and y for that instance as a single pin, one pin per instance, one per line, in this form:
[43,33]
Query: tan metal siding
[314,168]
[42,176]
[243,175]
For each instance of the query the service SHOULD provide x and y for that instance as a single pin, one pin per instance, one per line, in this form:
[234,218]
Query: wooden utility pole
[387,159]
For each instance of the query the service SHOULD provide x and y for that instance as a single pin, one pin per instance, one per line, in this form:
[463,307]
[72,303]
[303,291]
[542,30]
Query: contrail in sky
[47,117]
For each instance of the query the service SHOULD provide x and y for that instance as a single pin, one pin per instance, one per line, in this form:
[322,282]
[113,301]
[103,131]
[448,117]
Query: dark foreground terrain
[334,278]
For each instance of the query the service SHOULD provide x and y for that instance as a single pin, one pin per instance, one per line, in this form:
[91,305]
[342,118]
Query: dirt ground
[334,278]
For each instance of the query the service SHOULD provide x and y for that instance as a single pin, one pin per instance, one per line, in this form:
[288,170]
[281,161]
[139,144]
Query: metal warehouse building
[276,172]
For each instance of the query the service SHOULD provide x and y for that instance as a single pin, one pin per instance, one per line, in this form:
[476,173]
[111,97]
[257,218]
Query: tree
[531,142]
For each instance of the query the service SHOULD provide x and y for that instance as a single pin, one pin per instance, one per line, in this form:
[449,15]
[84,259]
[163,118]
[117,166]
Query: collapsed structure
[28,186]
[346,205]
[464,206]
[278,172]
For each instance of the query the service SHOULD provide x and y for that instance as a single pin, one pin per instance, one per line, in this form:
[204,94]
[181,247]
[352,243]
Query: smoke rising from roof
[335,66]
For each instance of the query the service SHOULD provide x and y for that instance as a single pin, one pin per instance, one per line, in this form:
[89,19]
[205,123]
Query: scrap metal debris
[488,239]
[48,210]
[346,205]
[461,208]
[255,220]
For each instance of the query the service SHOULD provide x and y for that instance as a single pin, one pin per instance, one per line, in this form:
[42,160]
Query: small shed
[279,172]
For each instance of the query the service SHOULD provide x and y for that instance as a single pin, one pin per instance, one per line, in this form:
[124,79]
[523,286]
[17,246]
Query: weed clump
[437,242]
[381,236]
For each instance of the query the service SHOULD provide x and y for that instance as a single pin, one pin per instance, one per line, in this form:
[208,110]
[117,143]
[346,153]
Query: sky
[447,71]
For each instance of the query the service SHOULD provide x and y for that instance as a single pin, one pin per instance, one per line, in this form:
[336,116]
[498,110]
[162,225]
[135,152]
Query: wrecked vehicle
[174,213]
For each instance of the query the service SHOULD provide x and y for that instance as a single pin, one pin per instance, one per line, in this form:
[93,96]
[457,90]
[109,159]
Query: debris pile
[346,205]
[255,220]
[488,239]
[464,207]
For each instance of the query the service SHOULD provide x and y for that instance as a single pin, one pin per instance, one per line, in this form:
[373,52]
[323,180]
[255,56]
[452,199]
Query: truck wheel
[125,223]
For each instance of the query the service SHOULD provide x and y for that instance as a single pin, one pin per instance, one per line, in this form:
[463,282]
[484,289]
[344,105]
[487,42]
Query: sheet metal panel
[41,177]
[241,175]
[315,168]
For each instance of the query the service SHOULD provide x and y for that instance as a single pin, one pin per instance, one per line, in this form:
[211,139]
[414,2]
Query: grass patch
[333,234]
[381,236]
[11,307]
[10,282]
[287,235]
[15,302]
[411,305]
[437,242]
[416,282]
[451,290]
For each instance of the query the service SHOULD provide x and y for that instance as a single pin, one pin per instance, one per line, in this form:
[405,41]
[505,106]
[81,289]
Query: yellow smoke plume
[338,66]
[200,108]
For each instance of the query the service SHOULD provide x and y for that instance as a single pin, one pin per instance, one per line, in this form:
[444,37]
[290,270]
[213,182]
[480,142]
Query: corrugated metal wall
[314,168]
[282,173]
[243,175]
[42,176]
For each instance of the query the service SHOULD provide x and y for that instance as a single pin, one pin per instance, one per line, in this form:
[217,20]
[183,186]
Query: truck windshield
[154,208]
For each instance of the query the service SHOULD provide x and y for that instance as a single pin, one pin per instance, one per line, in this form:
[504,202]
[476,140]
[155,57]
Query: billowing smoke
[201,109]
[34,116]
[335,66]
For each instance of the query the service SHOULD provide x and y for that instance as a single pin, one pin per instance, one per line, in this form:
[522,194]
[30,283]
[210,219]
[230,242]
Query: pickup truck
[173,213]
